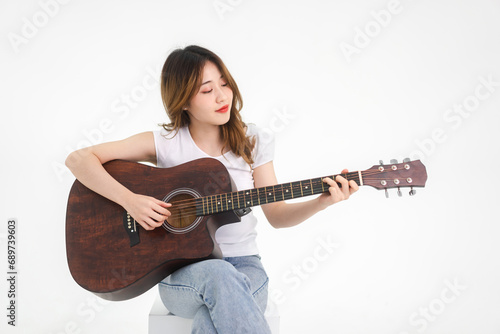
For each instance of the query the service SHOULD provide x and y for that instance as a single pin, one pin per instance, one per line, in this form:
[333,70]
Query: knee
[222,279]
[220,272]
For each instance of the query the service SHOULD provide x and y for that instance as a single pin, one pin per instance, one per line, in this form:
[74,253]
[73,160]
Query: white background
[67,69]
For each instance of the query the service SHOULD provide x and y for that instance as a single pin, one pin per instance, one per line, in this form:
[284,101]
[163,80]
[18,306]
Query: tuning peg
[405,160]
[399,192]
[394,161]
[386,193]
[412,191]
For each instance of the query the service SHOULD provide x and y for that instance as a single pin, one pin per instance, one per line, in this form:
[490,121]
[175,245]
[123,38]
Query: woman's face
[211,105]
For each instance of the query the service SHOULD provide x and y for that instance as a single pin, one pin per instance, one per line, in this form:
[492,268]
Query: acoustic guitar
[112,256]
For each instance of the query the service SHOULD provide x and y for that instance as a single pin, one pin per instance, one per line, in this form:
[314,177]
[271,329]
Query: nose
[221,96]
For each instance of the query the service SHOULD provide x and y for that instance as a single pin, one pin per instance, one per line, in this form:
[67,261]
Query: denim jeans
[227,296]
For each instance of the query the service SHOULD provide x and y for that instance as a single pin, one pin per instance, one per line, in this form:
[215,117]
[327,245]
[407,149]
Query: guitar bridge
[131,227]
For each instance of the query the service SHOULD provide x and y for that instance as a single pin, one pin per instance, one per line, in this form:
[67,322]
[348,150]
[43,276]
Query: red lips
[223,109]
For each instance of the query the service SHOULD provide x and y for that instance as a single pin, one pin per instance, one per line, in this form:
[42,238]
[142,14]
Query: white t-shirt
[236,239]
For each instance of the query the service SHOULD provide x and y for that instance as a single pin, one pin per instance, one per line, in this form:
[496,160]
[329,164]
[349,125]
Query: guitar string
[293,187]
[181,204]
[192,211]
[352,176]
[191,203]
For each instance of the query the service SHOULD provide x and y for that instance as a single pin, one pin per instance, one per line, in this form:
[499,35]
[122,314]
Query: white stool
[161,321]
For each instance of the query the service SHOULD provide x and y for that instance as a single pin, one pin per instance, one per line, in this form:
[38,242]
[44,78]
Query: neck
[265,195]
[207,137]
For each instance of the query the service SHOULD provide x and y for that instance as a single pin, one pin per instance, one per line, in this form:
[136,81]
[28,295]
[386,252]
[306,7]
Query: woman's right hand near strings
[148,211]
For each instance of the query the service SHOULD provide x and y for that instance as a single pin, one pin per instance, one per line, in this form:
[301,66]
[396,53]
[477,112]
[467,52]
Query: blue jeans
[225,296]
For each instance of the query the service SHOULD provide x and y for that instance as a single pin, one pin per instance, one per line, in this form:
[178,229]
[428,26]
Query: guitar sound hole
[183,212]
[182,215]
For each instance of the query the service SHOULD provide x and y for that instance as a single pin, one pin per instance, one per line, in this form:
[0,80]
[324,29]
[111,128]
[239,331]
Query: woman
[203,103]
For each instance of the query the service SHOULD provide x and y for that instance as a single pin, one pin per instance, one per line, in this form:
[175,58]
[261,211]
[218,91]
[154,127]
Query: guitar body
[111,255]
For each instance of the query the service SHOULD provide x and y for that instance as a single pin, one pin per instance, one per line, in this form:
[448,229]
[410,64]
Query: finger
[163,204]
[344,185]
[331,182]
[354,186]
[334,190]
[145,225]
[153,223]
[157,217]
[161,211]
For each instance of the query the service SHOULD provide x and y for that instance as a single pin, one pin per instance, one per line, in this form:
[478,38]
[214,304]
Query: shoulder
[263,151]
[163,135]
[261,135]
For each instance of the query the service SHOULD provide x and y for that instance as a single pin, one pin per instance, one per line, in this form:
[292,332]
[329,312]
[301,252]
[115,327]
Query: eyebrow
[211,80]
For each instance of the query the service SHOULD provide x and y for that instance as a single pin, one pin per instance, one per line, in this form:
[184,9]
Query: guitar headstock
[408,174]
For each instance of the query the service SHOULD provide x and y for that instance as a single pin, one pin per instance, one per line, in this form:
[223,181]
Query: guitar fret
[278,193]
[270,195]
[288,192]
[318,186]
[247,198]
[293,190]
[232,200]
[241,199]
[252,195]
[217,203]
[306,189]
[262,195]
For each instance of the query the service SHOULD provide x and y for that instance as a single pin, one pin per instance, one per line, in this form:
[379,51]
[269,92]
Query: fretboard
[258,196]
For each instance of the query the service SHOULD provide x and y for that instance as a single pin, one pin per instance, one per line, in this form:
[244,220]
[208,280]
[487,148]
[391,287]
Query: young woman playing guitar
[203,103]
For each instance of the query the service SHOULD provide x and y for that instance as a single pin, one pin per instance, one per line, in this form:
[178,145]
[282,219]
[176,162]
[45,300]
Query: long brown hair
[181,79]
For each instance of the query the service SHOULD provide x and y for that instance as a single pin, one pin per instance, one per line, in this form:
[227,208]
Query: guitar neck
[258,196]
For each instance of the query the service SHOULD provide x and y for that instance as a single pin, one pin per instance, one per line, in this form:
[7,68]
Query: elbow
[75,158]
[273,213]
[276,224]
[71,160]
[275,221]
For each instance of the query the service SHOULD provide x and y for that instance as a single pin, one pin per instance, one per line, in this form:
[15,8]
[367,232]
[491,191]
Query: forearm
[88,169]
[283,214]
